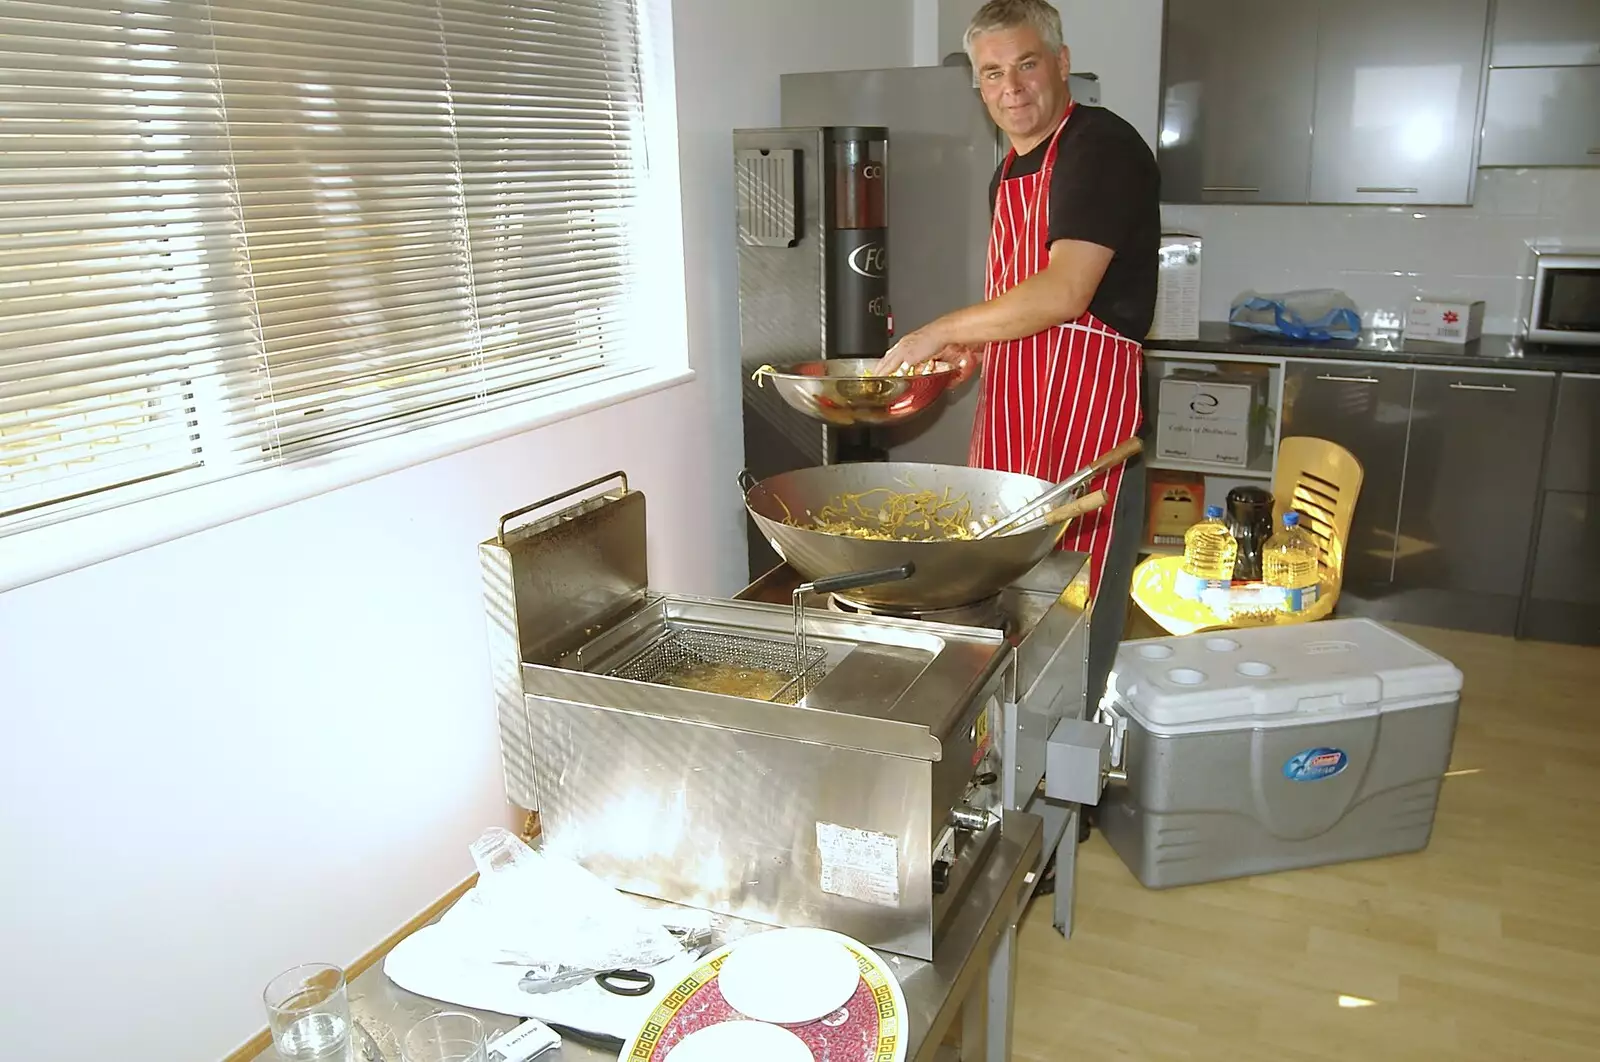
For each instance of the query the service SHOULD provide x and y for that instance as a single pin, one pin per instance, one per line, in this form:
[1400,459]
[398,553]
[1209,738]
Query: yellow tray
[1154,590]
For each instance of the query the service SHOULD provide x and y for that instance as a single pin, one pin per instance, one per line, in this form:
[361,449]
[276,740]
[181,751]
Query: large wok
[948,573]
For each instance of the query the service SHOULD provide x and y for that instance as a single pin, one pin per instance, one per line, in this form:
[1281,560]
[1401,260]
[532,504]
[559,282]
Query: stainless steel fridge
[942,151]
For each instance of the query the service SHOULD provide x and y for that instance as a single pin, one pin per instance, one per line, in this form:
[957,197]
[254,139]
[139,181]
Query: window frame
[650,363]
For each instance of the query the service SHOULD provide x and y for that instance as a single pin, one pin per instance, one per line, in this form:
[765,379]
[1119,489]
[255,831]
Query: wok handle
[1111,458]
[1077,507]
[1029,515]
[832,584]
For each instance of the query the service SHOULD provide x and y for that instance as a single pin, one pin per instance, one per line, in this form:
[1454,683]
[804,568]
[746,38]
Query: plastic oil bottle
[1289,564]
[1209,550]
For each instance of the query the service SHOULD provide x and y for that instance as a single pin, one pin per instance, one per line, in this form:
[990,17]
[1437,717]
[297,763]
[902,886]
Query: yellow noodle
[889,515]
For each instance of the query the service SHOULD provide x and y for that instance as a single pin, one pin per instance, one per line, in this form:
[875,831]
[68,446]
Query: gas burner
[985,613]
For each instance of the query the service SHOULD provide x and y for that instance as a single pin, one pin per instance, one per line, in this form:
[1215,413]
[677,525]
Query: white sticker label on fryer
[859,865]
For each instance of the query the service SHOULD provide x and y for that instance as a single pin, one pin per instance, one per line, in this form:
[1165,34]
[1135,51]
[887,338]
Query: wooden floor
[1484,946]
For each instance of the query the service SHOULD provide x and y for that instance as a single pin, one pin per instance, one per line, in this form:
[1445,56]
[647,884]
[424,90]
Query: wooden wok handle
[1115,456]
[1086,504]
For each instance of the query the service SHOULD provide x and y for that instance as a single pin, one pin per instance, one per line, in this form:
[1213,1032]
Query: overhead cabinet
[1353,101]
[1237,132]
[1543,116]
[1546,33]
[1543,104]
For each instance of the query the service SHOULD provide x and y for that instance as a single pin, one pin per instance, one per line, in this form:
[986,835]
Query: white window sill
[45,552]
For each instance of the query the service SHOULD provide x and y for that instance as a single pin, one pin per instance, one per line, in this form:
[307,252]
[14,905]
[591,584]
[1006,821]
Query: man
[1071,272]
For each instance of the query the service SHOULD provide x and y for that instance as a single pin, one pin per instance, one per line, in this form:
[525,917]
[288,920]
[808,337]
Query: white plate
[789,976]
[741,1041]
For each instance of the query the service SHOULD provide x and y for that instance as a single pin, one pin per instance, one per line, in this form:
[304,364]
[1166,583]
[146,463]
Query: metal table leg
[1066,874]
[975,1017]
[1001,993]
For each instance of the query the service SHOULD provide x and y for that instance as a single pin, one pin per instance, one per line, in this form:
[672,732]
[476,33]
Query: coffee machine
[813,216]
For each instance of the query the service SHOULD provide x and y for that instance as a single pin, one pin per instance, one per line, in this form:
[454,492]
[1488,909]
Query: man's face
[1023,82]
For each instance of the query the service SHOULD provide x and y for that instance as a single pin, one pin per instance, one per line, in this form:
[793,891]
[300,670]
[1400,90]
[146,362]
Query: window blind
[240,232]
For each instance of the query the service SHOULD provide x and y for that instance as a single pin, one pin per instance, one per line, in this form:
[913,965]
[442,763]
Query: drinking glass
[308,1011]
[449,1036]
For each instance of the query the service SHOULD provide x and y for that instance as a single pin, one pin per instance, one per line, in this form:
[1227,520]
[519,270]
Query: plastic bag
[553,916]
[1318,315]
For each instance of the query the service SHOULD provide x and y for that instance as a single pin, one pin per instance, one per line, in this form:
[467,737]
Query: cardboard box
[1443,320]
[1207,418]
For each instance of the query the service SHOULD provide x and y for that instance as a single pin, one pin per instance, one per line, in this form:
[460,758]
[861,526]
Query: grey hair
[1009,14]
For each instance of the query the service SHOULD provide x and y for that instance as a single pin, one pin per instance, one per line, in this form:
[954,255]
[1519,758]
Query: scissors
[616,982]
[626,982]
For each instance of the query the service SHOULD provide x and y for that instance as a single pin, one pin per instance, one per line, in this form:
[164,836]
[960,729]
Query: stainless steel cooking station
[1047,636]
[683,748]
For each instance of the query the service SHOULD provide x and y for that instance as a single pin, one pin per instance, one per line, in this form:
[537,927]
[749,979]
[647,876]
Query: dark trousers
[1110,615]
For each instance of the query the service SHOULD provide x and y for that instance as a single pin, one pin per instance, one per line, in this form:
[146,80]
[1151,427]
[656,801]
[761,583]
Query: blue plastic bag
[1317,316]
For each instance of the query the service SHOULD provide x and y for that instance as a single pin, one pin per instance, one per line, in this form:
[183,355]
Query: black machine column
[857,260]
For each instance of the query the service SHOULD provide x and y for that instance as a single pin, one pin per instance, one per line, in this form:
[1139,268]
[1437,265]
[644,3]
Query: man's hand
[917,348]
[912,350]
[1055,295]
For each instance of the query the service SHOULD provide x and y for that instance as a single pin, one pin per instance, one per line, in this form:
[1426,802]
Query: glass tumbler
[449,1036]
[308,1011]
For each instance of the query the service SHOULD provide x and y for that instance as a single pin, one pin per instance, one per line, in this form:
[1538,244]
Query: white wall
[1384,256]
[729,58]
[953,18]
[925,33]
[271,742]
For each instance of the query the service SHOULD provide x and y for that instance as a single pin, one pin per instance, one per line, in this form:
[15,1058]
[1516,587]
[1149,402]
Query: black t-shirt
[1105,190]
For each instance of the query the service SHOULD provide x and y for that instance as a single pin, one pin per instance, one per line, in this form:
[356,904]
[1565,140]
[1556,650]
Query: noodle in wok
[889,515]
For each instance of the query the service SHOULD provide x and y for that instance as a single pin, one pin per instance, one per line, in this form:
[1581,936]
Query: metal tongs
[1046,508]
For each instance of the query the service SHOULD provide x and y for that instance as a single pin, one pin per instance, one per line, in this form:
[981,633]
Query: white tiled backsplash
[1383,257]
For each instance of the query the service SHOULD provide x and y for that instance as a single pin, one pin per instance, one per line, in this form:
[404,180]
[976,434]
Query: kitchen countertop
[935,991]
[1489,352]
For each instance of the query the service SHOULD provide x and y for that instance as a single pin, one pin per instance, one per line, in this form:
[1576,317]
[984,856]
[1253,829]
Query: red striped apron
[1053,402]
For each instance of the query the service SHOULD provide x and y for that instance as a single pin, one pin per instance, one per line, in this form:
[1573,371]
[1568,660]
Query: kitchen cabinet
[1542,107]
[1574,463]
[1397,104]
[1366,409]
[1236,131]
[1344,101]
[1472,487]
[1546,33]
[1542,116]
[1564,594]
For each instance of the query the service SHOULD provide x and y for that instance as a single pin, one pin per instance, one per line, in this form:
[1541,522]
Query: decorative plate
[735,1041]
[789,976]
[870,1027]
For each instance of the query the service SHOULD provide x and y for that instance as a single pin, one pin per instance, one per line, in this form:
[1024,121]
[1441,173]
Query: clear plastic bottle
[1289,563]
[1209,549]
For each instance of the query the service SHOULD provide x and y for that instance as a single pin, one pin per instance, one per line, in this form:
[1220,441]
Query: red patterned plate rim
[878,983]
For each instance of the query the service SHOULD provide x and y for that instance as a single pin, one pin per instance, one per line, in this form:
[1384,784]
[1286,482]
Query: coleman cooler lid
[1277,676]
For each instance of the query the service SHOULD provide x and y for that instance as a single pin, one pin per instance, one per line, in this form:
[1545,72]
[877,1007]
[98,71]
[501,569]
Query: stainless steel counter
[971,976]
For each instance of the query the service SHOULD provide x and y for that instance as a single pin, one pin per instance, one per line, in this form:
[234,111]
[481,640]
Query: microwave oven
[1566,298]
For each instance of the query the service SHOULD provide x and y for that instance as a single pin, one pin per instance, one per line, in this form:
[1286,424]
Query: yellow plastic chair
[1320,480]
